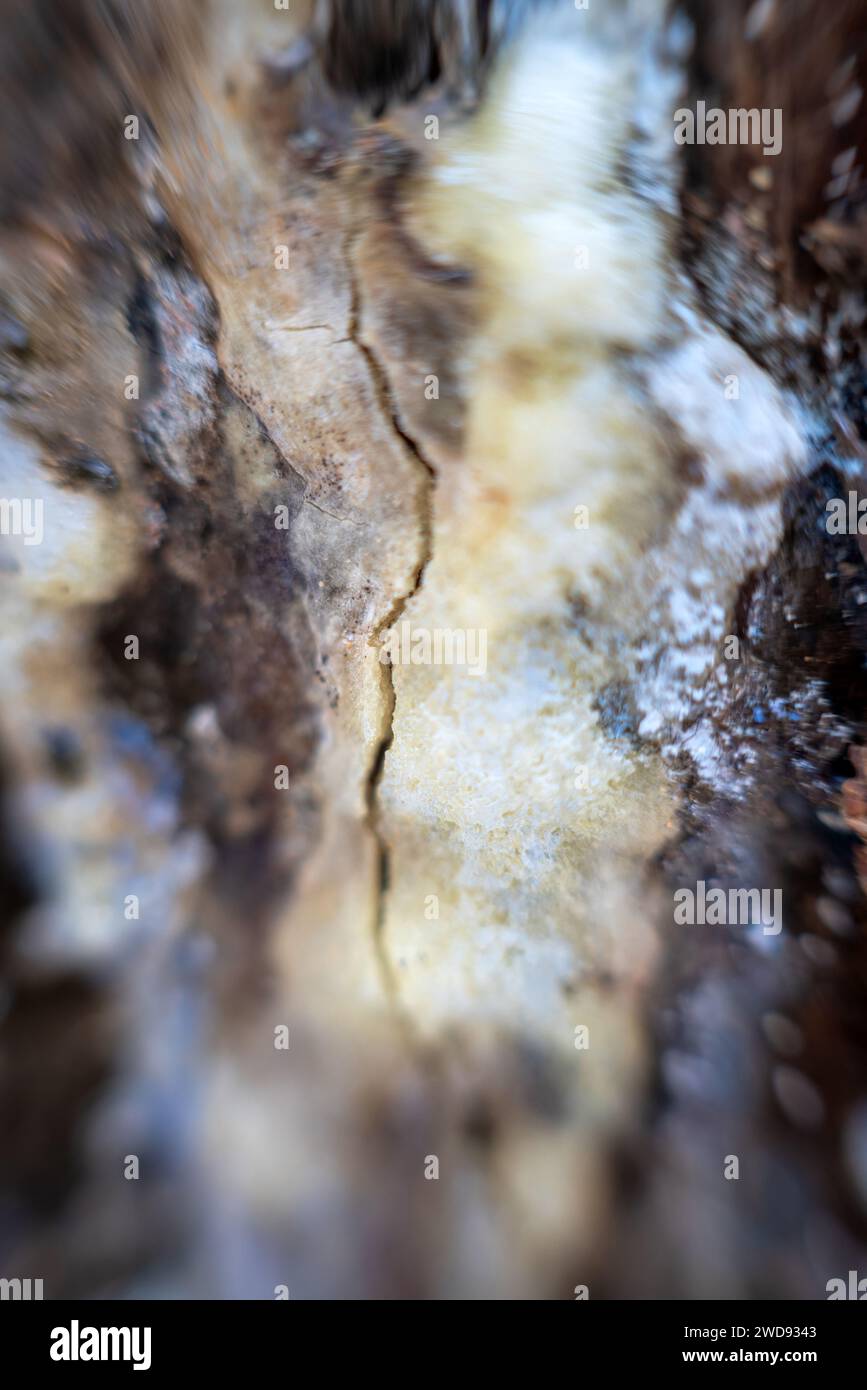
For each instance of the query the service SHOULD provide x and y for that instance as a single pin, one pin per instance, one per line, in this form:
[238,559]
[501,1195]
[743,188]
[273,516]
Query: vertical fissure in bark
[385,397]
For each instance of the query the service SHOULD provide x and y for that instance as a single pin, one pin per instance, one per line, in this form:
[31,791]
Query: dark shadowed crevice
[427,475]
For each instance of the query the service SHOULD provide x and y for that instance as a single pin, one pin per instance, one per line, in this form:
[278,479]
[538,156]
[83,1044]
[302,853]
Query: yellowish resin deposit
[520,829]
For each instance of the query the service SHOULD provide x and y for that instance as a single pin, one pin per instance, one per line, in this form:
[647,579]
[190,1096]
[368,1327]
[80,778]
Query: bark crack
[388,406]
